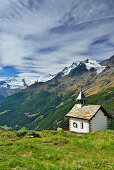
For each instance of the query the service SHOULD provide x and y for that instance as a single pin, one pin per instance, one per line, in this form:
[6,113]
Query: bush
[21,133]
[34,134]
[111,125]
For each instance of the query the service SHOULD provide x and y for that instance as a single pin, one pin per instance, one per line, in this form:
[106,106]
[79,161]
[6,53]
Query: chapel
[84,118]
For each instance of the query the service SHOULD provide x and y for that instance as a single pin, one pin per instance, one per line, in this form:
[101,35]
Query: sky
[39,37]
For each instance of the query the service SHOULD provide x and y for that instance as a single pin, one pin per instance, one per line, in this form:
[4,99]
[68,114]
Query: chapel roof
[86,112]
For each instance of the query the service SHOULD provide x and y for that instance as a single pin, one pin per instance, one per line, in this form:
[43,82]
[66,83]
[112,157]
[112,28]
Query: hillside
[46,110]
[57,150]
[43,105]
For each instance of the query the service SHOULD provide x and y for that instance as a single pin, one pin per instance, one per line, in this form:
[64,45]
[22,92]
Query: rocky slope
[108,62]
[92,77]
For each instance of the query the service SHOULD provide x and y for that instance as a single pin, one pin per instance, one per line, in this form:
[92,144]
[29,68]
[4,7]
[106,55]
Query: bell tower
[81,99]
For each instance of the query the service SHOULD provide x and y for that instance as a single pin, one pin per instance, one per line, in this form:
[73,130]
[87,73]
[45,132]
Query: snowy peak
[43,78]
[13,83]
[67,70]
[88,63]
[16,83]
[94,64]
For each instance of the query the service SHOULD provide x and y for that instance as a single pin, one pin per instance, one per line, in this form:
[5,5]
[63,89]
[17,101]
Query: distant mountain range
[13,85]
[43,105]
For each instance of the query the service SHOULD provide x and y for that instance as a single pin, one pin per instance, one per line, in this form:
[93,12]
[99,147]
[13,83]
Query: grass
[5,127]
[57,150]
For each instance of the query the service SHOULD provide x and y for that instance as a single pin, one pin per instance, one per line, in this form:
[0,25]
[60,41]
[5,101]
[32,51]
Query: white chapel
[85,118]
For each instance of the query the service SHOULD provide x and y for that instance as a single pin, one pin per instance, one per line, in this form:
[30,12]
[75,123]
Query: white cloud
[12,50]
[45,36]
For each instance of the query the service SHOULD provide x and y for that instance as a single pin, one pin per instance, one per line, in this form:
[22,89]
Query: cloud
[43,36]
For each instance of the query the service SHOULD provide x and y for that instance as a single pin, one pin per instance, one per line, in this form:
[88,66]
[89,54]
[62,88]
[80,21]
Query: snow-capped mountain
[88,63]
[42,78]
[94,64]
[67,70]
[14,85]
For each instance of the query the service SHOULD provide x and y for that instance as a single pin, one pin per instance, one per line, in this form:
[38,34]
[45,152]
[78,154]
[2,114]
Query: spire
[81,99]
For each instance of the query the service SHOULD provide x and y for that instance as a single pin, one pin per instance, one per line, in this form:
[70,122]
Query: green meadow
[56,150]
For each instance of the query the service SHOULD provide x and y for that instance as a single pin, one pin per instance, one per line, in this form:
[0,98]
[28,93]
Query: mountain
[10,86]
[14,85]
[43,105]
[108,62]
[79,66]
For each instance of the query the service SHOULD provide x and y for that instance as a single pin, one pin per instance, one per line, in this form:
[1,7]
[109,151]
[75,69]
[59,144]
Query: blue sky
[43,36]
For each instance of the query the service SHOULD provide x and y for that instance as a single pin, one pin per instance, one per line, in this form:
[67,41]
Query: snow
[16,83]
[94,64]
[89,64]
[67,70]
[13,83]
[46,78]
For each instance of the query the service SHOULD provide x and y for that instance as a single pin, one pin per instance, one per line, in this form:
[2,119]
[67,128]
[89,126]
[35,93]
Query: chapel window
[75,125]
[82,125]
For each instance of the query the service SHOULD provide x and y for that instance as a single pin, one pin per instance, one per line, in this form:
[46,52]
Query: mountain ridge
[14,85]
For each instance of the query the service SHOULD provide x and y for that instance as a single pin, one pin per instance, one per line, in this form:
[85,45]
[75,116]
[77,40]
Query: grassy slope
[57,150]
[45,110]
[106,98]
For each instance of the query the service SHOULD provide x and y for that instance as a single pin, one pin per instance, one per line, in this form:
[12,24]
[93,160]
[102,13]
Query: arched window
[75,125]
[82,125]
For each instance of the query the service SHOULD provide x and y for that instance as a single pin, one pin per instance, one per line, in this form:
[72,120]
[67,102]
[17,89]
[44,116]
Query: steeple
[81,99]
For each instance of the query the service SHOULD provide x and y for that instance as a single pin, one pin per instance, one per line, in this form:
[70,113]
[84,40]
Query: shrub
[21,133]
[34,134]
[111,125]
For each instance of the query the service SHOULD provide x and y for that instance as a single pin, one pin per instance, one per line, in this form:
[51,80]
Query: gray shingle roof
[85,112]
